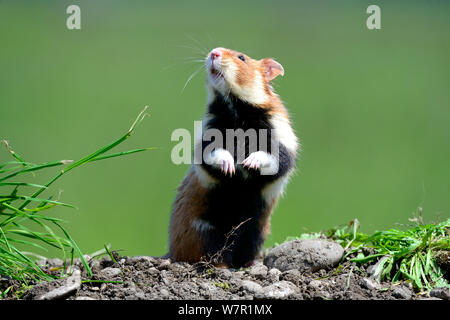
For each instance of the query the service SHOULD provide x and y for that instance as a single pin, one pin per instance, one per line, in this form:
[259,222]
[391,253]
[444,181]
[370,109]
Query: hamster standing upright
[224,204]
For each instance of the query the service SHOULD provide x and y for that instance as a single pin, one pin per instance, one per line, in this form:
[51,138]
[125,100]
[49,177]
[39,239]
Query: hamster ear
[271,69]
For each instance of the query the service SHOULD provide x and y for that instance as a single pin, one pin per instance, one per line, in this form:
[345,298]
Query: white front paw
[262,161]
[222,159]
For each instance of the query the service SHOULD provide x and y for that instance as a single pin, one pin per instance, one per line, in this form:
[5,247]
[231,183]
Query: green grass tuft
[400,254]
[24,222]
[409,255]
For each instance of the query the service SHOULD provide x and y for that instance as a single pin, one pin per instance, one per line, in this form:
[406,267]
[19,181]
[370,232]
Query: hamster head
[234,73]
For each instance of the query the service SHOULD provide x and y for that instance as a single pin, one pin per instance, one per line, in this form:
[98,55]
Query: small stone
[304,254]
[71,285]
[274,274]
[95,265]
[293,276]
[278,290]
[153,271]
[164,264]
[146,259]
[110,272]
[402,292]
[163,273]
[258,271]
[224,274]
[208,286]
[369,283]
[441,293]
[164,293]
[316,284]
[208,289]
[166,281]
[251,286]
[130,289]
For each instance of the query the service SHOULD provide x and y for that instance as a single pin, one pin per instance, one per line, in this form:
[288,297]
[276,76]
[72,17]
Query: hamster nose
[215,54]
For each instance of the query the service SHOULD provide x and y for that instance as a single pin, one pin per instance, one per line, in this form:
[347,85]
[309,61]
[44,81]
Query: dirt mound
[145,277]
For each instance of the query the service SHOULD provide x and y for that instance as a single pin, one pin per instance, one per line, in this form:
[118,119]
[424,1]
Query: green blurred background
[372,108]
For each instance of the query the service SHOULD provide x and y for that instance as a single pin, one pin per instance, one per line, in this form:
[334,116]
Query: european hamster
[224,203]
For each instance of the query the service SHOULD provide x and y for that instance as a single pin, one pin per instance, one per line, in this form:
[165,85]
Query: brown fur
[185,244]
[264,221]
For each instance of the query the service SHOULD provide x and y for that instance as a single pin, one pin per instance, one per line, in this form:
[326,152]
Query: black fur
[238,114]
[238,198]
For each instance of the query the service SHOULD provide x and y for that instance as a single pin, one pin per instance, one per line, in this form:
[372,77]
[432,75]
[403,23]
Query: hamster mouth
[216,73]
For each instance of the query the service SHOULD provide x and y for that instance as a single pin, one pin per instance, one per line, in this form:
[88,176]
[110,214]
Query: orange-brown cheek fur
[245,76]
[245,73]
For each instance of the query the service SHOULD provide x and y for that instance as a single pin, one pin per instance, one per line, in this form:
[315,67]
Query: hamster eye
[241,57]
